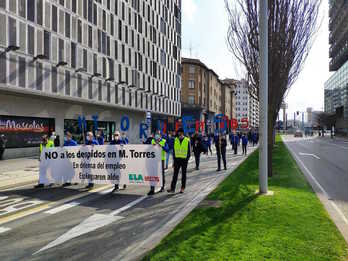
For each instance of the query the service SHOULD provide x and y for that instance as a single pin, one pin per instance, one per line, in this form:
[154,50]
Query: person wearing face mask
[159,141]
[182,155]
[90,140]
[100,137]
[124,138]
[117,140]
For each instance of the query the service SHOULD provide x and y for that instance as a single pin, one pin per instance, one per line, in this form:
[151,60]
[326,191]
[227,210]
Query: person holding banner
[69,142]
[117,140]
[90,140]
[46,143]
[182,155]
[159,141]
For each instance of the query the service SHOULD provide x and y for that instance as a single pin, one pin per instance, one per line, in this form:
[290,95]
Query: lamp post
[263,70]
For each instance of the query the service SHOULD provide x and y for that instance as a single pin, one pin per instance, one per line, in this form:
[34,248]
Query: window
[67,82]
[39,76]
[39,9]
[100,90]
[12,31]
[61,50]
[47,48]
[191,84]
[191,69]
[21,8]
[21,71]
[3,69]
[54,79]
[79,86]
[31,10]
[67,25]
[90,89]
[54,18]
[73,55]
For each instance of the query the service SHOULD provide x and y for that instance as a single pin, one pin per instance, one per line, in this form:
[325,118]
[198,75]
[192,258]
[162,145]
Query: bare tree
[292,25]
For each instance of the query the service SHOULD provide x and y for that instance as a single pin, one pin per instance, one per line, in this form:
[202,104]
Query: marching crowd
[176,145]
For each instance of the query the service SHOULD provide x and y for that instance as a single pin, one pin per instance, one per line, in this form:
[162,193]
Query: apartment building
[99,60]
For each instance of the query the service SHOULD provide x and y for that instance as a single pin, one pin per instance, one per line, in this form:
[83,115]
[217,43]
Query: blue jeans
[170,152]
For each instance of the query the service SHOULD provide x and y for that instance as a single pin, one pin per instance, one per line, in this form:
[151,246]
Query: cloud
[189,9]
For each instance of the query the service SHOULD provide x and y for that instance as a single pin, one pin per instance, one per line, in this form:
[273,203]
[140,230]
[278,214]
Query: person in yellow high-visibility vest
[182,153]
[46,143]
[159,141]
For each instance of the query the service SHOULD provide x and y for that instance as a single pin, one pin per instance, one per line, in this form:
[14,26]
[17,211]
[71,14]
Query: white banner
[109,164]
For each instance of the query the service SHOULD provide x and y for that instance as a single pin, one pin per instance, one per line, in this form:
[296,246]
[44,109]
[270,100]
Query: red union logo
[151,178]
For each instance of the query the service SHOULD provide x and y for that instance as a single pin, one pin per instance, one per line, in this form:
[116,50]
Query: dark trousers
[197,159]
[235,148]
[222,155]
[1,153]
[163,177]
[179,163]
[209,147]
[244,148]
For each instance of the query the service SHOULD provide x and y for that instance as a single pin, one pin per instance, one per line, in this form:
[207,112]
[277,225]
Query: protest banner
[109,164]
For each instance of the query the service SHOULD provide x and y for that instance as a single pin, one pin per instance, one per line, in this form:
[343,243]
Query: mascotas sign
[110,164]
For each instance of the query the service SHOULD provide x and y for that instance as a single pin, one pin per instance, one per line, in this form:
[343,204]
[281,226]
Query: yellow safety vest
[49,144]
[181,150]
[162,144]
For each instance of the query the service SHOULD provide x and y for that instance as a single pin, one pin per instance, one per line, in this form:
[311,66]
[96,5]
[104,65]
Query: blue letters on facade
[124,121]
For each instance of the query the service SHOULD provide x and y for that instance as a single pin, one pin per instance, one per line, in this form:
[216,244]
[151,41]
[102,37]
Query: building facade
[194,94]
[336,87]
[247,104]
[98,60]
[229,98]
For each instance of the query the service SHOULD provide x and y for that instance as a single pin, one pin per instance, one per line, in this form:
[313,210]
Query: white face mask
[157,137]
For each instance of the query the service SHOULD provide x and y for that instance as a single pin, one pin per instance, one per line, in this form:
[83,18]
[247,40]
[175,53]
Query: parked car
[298,133]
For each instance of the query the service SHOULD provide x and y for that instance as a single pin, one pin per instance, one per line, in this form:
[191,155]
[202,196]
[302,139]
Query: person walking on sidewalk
[182,155]
[244,144]
[46,143]
[220,145]
[90,140]
[170,141]
[2,145]
[197,148]
[235,142]
[159,141]
[117,140]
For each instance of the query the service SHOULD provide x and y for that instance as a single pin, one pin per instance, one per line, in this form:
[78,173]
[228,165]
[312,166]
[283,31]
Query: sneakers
[218,170]
[162,189]
[170,191]
[151,192]
[89,186]
[182,191]
[39,185]
[66,184]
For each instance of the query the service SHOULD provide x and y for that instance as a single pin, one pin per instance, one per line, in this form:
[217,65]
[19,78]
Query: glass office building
[61,59]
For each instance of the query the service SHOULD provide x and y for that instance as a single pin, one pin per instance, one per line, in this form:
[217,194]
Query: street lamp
[81,69]
[39,57]
[95,75]
[263,154]
[11,48]
[61,63]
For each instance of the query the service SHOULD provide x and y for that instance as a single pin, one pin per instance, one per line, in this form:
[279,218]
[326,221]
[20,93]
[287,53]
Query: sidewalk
[18,172]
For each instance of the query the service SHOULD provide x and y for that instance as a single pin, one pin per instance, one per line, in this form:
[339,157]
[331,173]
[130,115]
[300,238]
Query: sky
[204,27]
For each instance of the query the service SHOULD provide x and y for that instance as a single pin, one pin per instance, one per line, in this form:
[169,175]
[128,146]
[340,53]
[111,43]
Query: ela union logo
[134,178]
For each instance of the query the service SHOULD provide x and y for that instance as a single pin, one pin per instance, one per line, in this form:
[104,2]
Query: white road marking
[90,224]
[308,154]
[129,205]
[4,229]
[62,208]
[338,210]
[3,198]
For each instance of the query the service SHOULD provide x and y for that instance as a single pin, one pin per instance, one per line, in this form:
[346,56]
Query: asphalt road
[73,224]
[325,163]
